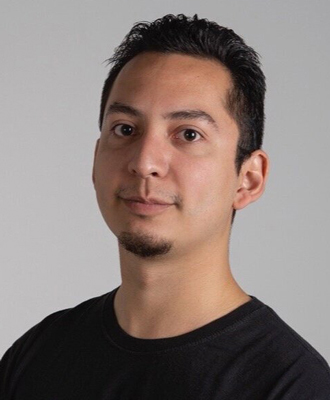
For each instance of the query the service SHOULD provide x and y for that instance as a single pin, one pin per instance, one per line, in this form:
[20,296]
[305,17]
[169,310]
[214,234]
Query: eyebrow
[118,107]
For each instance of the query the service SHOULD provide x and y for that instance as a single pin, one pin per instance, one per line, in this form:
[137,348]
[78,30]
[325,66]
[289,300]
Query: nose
[149,156]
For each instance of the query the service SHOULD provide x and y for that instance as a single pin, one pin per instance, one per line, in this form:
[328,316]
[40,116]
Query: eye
[122,130]
[189,135]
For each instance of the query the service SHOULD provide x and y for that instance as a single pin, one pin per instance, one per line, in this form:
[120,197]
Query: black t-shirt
[83,353]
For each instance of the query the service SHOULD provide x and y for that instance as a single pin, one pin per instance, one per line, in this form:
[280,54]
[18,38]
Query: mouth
[145,208]
[148,201]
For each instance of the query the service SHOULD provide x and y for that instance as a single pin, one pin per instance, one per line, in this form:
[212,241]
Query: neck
[169,298]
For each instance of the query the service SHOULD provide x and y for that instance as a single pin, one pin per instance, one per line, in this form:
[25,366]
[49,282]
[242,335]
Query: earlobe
[253,177]
[95,152]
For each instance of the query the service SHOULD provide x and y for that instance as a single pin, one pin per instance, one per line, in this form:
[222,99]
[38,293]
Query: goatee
[144,245]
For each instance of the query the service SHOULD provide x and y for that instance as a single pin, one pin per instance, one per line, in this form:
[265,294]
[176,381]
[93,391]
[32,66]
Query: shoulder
[47,329]
[57,317]
[293,342]
[295,368]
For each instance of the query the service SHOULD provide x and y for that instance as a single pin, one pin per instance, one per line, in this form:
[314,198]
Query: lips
[142,206]
[147,201]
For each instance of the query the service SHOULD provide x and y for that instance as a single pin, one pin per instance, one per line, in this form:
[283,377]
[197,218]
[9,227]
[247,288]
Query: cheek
[105,178]
[107,163]
[210,187]
[106,183]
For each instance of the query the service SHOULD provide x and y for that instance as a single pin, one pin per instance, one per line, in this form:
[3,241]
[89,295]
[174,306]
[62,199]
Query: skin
[191,283]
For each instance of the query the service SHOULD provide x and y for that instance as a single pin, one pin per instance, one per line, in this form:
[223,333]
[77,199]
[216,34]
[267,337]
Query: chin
[144,245]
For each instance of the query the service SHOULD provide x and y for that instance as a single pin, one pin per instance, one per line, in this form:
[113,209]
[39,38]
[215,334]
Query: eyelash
[186,129]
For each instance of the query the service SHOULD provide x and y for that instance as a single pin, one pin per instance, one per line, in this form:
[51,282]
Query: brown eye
[122,129]
[190,135]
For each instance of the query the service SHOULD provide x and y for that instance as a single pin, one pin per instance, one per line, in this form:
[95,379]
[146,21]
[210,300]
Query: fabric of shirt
[83,353]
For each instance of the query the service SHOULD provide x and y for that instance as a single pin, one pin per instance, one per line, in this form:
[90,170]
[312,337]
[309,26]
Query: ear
[95,152]
[252,179]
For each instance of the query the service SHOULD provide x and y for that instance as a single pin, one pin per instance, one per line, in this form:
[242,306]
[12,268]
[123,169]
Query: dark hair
[206,39]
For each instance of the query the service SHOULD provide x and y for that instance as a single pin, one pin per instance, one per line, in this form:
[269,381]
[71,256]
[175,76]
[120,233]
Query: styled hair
[206,39]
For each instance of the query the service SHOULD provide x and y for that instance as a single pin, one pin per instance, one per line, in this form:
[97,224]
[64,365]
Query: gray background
[56,250]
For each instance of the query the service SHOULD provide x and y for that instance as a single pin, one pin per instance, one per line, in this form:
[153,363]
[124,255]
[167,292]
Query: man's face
[167,135]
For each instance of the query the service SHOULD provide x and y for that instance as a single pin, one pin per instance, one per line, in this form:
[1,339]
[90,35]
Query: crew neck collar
[206,332]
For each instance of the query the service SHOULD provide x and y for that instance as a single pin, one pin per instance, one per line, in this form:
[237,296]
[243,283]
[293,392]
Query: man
[179,152]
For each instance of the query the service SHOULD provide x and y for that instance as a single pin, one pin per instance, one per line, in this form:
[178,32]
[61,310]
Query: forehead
[173,76]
